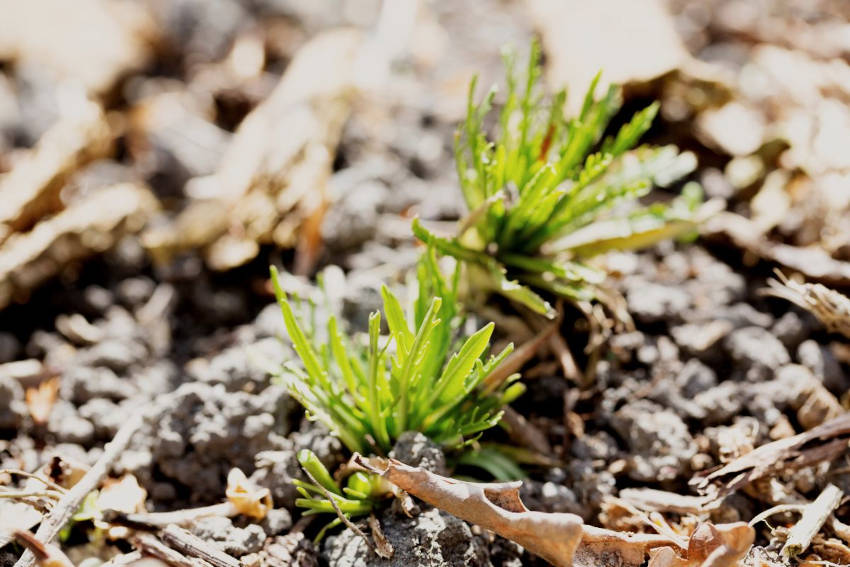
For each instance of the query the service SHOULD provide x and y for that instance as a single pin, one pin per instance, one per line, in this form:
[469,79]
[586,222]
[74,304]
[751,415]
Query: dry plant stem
[47,482]
[381,541]
[525,433]
[47,555]
[829,306]
[814,516]
[22,494]
[70,501]
[841,529]
[151,546]
[156,520]
[518,358]
[193,546]
[663,501]
[565,358]
[781,509]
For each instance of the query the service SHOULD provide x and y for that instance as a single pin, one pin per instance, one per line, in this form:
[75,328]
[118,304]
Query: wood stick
[157,520]
[189,544]
[71,500]
[151,546]
[814,516]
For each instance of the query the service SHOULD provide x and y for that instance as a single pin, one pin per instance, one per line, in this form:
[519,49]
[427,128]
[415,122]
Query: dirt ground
[150,178]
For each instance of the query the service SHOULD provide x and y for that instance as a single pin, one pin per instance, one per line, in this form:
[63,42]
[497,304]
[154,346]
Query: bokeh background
[157,155]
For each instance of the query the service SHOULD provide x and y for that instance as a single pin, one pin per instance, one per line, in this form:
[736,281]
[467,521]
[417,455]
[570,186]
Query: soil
[711,369]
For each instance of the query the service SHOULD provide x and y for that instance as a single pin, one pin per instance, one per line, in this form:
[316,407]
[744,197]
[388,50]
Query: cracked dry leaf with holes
[563,539]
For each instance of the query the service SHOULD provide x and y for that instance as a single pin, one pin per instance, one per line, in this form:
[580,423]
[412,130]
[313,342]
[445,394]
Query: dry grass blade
[830,307]
[823,443]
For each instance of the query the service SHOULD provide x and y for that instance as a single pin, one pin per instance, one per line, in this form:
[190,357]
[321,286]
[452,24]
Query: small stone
[276,521]
[658,440]
[823,364]
[134,292]
[290,550]
[756,348]
[701,339]
[415,449]
[651,302]
[114,354]
[10,347]
[791,329]
[231,539]
[13,409]
[721,403]
[695,377]
[431,539]
[744,315]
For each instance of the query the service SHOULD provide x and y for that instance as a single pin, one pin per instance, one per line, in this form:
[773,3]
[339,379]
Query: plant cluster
[368,396]
[544,193]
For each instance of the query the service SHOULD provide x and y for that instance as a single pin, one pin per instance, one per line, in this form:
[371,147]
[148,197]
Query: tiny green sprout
[361,494]
[545,192]
[412,380]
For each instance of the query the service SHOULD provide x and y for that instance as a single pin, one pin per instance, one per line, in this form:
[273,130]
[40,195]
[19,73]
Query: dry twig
[814,516]
[193,546]
[71,500]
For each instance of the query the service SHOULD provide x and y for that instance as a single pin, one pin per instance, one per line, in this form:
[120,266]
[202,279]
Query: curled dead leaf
[123,495]
[40,400]
[248,499]
[562,539]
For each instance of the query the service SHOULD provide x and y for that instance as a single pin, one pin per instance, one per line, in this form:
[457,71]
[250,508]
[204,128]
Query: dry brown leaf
[123,494]
[495,506]
[47,555]
[710,545]
[270,184]
[40,400]
[562,539]
[248,499]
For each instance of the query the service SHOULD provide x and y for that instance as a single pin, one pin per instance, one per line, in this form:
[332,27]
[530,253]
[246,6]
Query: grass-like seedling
[410,381]
[544,193]
[360,495]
